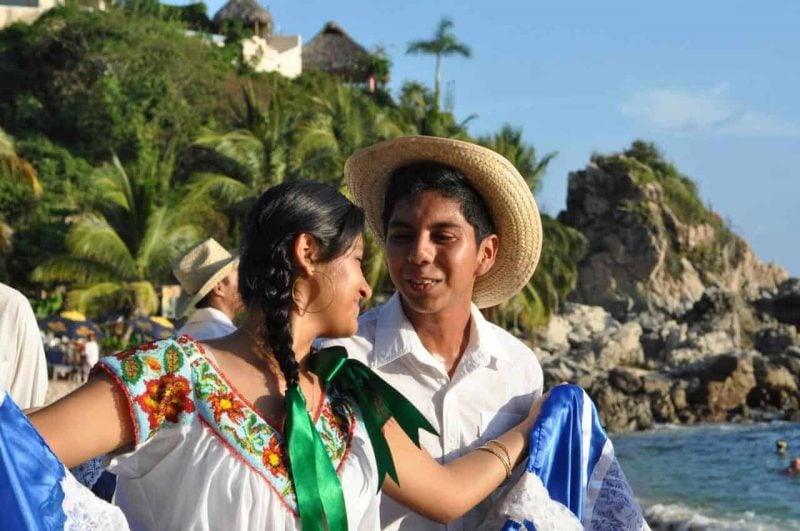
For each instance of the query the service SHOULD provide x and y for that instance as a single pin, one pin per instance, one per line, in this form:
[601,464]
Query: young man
[209,274]
[461,231]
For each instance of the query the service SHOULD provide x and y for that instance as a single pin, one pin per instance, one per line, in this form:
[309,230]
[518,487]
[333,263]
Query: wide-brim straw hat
[510,202]
[200,269]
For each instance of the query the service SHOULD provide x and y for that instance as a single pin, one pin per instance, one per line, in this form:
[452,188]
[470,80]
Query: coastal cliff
[674,319]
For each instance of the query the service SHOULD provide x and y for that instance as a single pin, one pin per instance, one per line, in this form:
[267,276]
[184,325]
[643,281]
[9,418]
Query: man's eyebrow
[436,226]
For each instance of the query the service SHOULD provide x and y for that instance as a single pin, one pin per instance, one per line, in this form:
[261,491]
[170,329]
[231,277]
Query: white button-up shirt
[207,323]
[492,389]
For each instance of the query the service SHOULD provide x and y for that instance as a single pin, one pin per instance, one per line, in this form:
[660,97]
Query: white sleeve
[26,379]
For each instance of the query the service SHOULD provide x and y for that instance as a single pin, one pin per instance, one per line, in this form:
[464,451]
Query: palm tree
[116,254]
[419,115]
[562,248]
[16,169]
[508,142]
[444,43]
[341,121]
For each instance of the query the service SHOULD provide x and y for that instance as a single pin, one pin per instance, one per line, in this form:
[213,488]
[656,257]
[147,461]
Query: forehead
[428,208]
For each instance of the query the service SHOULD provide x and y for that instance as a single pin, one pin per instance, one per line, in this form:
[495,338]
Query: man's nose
[421,251]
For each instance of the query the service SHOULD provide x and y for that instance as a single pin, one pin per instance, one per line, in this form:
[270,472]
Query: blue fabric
[566,446]
[556,447]
[30,474]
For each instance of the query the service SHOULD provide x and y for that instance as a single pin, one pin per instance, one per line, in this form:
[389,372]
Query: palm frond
[73,270]
[93,238]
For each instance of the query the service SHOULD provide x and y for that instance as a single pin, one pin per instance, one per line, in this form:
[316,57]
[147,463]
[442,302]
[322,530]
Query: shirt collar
[209,314]
[395,336]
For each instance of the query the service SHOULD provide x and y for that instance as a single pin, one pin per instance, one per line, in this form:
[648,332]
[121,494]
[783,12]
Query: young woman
[257,430]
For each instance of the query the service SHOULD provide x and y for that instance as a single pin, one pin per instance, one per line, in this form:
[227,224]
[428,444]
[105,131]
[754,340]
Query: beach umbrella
[70,324]
[152,327]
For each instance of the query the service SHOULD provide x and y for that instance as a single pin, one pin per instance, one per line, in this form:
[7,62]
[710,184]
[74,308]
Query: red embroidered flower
[227,403]
[272,457]
[165,398]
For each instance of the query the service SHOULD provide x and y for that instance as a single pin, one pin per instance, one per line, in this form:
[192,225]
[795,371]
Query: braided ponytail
[276,302]
[266,269]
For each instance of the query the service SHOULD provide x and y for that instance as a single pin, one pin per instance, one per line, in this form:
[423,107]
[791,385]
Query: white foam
[676,517]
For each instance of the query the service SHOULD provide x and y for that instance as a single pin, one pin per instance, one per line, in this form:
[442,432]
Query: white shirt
[207,323]
[91,353]
[202,462]
[23,367]
[492,390]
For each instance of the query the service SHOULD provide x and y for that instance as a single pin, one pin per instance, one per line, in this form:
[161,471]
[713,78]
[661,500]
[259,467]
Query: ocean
[707,477]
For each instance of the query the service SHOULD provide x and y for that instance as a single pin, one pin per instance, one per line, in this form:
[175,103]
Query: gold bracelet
[506,465]
[502,447]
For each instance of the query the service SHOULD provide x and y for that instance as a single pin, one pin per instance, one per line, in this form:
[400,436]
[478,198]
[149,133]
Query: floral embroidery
[273,458]
[171,383]
[173,359]
[131,369]
[165,398]
[228,404]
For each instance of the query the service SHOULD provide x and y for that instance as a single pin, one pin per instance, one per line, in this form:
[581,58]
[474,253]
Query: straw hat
[199,270]
[510,202]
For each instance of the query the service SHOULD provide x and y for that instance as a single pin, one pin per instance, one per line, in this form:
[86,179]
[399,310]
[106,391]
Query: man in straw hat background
[461,231]
[209,275]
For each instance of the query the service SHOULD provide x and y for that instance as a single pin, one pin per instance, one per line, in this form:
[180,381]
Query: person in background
[23,366]
[793,468]
[461,231]
[91,352]
[209,275]
[780,446]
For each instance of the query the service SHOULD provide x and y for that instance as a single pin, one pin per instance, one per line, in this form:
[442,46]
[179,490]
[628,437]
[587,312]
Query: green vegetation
[442,44]
[645,163]
[125,140]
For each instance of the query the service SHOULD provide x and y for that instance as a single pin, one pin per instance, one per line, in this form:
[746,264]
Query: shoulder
[12,300]
[149,373]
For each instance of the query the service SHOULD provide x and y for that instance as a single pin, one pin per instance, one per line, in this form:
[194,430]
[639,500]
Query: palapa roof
[332,50]
[246,11]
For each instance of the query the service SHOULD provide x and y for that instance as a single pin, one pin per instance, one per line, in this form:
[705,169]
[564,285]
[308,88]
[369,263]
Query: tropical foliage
[133,140]
[443,43]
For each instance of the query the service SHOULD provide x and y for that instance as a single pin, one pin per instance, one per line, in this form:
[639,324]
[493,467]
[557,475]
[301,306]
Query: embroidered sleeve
[157,380]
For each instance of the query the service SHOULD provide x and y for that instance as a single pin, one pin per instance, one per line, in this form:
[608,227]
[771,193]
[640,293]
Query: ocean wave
[676,517]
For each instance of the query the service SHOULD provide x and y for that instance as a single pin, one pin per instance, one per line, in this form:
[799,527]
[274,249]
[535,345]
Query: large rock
[776,387]
[641,256]
[620,412]
[723,384]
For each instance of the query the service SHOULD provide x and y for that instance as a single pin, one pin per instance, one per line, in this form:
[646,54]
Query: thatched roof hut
[248,12]
[332,50]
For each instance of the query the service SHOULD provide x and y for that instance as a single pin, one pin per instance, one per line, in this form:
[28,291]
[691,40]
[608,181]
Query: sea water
[714,476]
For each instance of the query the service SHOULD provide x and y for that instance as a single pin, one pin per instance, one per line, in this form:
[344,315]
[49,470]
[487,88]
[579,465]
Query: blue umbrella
[153,327]
[70,324]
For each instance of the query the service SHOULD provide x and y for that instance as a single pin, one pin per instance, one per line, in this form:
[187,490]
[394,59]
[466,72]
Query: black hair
[266,268]
[410,181]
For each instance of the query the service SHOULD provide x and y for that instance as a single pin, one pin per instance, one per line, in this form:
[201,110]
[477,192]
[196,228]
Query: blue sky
[714,83]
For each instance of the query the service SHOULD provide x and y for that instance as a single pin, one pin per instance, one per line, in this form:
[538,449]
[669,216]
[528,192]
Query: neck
[445,333]
[220,306]
[302,334]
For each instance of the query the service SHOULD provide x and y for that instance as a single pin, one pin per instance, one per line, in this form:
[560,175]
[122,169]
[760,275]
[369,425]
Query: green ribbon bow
[377,400]
[316,484]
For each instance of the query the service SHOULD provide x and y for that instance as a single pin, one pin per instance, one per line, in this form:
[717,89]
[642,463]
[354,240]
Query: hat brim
[509,200]
[184,306]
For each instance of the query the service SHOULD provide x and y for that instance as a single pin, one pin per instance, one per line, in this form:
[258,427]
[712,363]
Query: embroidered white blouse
[204,459]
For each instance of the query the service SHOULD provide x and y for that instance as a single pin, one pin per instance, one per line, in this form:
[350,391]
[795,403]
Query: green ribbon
[377,400]
[316,485]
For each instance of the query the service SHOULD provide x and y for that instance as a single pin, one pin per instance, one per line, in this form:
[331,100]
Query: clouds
[711,111]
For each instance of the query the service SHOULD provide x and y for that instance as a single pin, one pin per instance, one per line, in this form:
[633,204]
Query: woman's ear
[305,249]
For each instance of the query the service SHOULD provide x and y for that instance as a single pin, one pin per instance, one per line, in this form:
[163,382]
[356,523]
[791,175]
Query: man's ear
[304,251]
[487,254]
